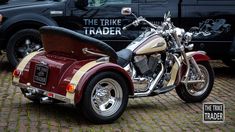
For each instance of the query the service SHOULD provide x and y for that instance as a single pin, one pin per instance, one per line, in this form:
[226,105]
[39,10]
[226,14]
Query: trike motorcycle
[77,69]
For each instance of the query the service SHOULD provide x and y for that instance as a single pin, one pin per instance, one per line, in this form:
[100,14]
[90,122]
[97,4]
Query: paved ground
[160,113]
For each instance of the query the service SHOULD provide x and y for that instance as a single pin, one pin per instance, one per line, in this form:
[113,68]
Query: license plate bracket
[41,74]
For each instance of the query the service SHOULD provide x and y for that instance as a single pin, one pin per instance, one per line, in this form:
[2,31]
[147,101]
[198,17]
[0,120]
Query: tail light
[70,88]
[50,94]
[16,73]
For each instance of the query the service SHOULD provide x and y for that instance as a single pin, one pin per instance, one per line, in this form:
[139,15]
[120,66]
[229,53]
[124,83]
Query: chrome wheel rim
[26,45]
[106,97]
[198,89]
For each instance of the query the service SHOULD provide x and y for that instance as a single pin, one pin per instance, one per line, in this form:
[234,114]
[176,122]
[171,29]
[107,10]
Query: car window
[149,1]
[104,2]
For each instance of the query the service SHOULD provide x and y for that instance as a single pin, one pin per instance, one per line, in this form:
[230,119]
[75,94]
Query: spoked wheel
[21,44]
[105,98]
[197,92]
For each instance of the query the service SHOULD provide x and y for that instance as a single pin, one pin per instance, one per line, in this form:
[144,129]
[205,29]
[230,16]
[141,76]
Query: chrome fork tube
[192,60]
[188,66]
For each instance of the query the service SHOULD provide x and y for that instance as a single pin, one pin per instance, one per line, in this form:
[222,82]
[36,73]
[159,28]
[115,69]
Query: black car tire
[183,93]
[88,106]
[15,41]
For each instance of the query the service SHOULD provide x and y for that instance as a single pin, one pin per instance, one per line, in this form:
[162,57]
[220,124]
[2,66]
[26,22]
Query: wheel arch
[23,21]
[111,67]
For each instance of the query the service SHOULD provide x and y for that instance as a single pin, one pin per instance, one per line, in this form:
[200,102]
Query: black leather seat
[124,57]
[63,33]
[57,38]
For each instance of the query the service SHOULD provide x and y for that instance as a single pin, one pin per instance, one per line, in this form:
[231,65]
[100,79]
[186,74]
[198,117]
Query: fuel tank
[147,44]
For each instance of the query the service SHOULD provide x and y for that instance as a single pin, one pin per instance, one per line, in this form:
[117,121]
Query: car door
[103,20]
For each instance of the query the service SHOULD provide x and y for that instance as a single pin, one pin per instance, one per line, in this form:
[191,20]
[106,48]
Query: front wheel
[105,98]
[197,92]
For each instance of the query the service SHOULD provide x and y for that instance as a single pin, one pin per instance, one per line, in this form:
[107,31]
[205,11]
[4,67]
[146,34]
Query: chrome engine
[144,71]
[147,65]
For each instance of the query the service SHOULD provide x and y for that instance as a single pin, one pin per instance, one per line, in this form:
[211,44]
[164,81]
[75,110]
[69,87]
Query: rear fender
[86,72]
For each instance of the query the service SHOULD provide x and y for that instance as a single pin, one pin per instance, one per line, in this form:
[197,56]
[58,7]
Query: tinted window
[103,2]
[151,1]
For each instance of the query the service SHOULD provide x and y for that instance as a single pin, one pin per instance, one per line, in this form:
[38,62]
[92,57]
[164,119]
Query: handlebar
[127,26]
[137,21]
[166,29]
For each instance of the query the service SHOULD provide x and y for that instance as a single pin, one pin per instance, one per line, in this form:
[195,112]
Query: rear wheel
[105,98]
[21,44]
[197,92]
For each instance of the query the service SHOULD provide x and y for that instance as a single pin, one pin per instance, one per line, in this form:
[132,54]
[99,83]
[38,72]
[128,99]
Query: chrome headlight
[188,37]
[179,32]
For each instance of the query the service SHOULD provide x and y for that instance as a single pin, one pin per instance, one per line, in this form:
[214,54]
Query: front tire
[21,44]
[198,92]
[105,98]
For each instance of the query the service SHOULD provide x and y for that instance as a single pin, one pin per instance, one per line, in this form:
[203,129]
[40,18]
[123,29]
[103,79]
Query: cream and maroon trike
[77,69]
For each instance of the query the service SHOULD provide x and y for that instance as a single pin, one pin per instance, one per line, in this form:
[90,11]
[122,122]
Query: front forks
[190,62]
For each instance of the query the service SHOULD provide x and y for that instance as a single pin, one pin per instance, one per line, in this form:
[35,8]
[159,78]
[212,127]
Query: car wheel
[21,44]
[105,98]
[197,92]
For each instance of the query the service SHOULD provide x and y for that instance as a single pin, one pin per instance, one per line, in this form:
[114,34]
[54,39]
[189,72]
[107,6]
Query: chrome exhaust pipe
[45,100]
[152,86]
[30,95]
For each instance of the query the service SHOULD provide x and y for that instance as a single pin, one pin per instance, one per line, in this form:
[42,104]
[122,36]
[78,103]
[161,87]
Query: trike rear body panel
[63,64]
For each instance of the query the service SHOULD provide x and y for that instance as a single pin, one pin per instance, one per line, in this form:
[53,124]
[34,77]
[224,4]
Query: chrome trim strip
[85,51]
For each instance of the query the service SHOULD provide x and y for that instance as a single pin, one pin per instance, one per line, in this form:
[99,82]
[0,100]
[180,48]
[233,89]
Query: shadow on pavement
[225,71]
[57,112]
[5,65]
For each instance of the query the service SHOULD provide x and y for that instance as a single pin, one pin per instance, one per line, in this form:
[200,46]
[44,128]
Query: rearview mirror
[81,3]
[126,11]
[167,16]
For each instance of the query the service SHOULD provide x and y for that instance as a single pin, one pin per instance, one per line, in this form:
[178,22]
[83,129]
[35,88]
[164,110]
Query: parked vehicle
[101,19]
[86,72]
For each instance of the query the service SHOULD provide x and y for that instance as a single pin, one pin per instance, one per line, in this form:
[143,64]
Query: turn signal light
[70,88]
[16,73]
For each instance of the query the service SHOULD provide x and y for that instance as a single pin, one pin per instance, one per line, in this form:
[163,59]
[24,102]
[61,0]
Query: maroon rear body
[62,58]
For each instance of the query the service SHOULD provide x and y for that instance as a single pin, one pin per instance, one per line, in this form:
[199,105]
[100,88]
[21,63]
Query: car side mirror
[81,3]
[126,11]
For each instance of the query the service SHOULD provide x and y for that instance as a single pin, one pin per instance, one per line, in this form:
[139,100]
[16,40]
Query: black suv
[211,21]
